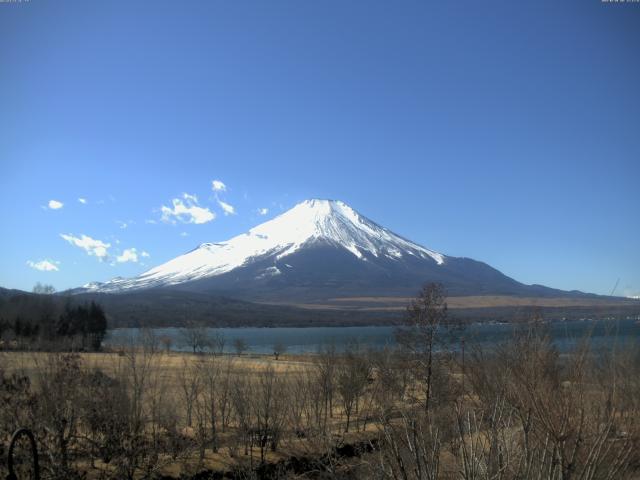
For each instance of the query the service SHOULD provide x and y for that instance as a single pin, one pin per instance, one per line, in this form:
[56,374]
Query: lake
[565,335]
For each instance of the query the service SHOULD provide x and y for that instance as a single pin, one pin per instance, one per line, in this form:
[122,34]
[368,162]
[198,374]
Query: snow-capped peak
[310,222]
[338,223]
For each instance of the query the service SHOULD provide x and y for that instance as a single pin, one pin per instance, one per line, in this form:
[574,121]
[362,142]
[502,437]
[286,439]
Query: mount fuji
[319,250]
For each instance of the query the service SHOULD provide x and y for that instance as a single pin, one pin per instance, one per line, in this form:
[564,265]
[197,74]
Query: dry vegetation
[518,411]
[468,302]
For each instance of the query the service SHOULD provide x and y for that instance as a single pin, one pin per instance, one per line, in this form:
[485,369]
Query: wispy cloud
[126,224]
[82,200]
[226,208]
[145,254]
[94,247]
[186,210]
[55,204]
[184,234]
[44,265]
[128,255]
[263,211]
[218,186]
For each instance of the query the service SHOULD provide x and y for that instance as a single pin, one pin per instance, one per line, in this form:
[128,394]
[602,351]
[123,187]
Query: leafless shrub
[240,346]
[59,412]
[268,405]
[411,447]
[190,385]
[326,366]
[352,379]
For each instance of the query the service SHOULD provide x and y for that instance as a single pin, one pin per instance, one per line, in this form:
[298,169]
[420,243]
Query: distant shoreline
[310,339]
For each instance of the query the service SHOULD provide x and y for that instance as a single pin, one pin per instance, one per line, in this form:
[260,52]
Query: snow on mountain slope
[311,222]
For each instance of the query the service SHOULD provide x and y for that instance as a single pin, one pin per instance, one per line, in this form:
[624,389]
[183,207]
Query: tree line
[42,319]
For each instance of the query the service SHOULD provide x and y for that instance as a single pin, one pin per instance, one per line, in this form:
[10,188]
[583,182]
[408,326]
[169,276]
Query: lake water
[565,335]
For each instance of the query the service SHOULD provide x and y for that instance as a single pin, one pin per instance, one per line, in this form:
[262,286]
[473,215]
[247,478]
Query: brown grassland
[518,410]
[467,302]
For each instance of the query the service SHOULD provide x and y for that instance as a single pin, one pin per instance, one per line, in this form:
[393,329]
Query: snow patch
[269,272]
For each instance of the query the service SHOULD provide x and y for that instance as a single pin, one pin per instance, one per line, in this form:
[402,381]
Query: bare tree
[240,346]
[424,324]
[189,381]
[103,403]
[149,340]
[195,337]
[268,407]
[352,378]
[139,452]
[214,398]
[278,349]
[60,410]
[223,392]
[539,415]
[410,448]
[241,394]
[216,342]
[298,392]
[391,377]
[326,365]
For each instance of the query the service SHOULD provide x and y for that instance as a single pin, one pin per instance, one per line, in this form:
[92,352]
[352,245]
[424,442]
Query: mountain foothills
[320,263]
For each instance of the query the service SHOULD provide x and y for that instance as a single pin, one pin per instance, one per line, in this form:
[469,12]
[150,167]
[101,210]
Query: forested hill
[173,308]
[45,319]
[167,308]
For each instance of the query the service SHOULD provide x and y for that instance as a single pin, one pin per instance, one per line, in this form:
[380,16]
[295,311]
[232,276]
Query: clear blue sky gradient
[504,131]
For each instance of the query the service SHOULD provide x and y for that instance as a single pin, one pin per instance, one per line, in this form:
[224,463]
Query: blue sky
[503,131]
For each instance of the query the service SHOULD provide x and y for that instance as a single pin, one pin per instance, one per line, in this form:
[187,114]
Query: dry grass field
[171,378]
[392,304]
[516,410]
[171,363]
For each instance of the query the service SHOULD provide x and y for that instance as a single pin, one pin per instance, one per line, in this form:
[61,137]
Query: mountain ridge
[316,250]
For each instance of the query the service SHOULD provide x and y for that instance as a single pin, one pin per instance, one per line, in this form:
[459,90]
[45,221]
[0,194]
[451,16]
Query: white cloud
[55,204]
[94,247]
[126,224]
[191,198]
[128,255]
[228,209]
[218,186]
[82,200]
[184,234]
[44,265]
[186,210]
[150,222]
[145,254]
[263,211]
